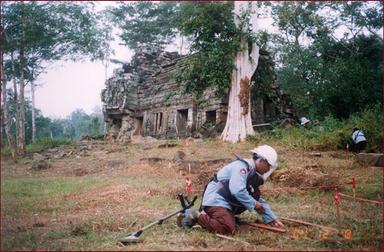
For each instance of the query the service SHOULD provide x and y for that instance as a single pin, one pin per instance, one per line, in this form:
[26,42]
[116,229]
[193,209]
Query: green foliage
[215,39]
[209,26]
[52,31]
[94,126]
[78,124]
[328,134]
[202,70]
[209,124]
[296,19]
[47,143]
[169,95]
[337,78]
[146,24]
[323,74]
[370,120]
[264,76]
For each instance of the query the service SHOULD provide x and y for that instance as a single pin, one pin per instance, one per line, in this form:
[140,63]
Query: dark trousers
[218,220]
[359,146]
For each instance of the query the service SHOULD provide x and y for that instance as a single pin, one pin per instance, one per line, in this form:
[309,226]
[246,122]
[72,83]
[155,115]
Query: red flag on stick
[188,185]
[337,198]
[337,202]
[354,186]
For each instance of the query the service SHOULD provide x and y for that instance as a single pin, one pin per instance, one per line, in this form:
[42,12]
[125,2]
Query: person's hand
[259,207]
[276,223]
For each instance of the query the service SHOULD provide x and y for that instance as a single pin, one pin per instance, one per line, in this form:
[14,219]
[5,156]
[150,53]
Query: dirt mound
[276,192]
[80,172]
[303,176]
[202,167]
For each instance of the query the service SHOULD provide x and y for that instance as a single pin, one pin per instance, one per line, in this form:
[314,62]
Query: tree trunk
[21,115]
[7,120]
[239,122]
[15,97]
[33,112]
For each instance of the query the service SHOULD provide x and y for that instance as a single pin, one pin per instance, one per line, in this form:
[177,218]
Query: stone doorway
[182,121]
[210,117]
[139,129]
[158,124]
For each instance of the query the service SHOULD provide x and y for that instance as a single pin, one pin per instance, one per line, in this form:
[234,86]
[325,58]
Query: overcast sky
[67,86]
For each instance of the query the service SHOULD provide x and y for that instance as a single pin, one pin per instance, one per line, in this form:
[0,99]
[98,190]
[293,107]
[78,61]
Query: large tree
[328,55]
[219,44]
[144,24]
[239,122]
[39,33]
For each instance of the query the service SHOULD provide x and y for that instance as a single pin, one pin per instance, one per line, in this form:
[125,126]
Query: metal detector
[135,236]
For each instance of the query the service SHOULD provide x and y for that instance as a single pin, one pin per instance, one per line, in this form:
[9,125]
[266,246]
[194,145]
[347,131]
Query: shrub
[329,134]
[47,143]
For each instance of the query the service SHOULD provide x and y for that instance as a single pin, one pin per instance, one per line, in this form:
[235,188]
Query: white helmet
[268,153]
[304,121]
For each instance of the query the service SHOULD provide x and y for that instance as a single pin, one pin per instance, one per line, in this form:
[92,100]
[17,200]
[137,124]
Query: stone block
[370,159]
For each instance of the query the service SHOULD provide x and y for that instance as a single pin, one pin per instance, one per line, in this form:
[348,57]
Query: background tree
[239,122]
[44,32]
[327,60]
[214,38]
[146,24]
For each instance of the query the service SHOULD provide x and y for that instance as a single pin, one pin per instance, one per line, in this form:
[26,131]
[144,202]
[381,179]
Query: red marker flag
[354,186]
[337,202]
[337,198]
[188,185]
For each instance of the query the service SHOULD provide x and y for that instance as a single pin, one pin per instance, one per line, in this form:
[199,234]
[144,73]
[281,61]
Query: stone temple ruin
[142,99]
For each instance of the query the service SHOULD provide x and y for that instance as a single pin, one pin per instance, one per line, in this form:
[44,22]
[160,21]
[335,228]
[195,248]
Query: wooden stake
[231,239]
[361,199]
[353,187]
[267,227]
[337,202]
[338,217]
[309,224]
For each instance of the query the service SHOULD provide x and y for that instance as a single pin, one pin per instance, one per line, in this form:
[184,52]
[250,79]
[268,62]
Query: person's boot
[189,219]
[179,218]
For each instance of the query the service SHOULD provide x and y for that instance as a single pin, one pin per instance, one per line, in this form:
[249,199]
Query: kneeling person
[233,190]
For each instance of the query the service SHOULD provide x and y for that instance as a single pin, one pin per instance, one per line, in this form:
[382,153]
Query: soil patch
[304,176]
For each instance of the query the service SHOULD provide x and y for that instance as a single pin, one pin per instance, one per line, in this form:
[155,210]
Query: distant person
[359,142]
[304,121]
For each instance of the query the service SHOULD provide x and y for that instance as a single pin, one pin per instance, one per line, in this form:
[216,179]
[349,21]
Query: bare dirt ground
[91,200]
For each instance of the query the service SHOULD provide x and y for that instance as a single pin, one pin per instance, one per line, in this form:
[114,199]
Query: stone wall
[142,98]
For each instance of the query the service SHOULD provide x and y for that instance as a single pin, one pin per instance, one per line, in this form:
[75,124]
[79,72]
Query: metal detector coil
[135,236]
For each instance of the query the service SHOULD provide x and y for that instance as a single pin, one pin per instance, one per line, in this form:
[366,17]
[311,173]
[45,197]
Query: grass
[44,187]
[95,217]
[47,143]
[42,195]
[329,134]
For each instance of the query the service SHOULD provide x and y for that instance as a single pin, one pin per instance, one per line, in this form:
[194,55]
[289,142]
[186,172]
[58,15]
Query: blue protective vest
[254,180]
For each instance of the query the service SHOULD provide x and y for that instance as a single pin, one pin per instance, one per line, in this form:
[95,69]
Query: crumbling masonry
[142,99]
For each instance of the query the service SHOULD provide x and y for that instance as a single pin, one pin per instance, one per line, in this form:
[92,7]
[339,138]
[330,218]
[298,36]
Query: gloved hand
[276,223]
[259,208]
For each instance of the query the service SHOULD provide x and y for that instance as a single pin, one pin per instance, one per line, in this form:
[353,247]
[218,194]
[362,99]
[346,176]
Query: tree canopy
[37,33]
[146,24]
[328,58]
